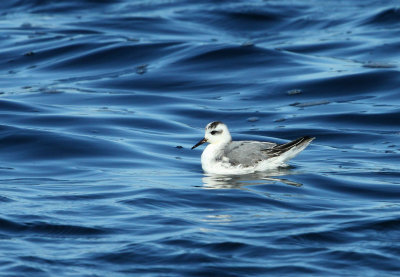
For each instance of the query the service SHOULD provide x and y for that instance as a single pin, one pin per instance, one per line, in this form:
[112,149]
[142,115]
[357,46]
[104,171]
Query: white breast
[211,156]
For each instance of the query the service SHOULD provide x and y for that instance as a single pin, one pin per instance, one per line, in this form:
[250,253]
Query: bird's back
[247,153]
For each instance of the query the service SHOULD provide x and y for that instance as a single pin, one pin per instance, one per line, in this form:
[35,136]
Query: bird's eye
[214,132]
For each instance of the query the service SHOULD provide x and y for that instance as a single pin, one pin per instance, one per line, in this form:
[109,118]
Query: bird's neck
[213,153]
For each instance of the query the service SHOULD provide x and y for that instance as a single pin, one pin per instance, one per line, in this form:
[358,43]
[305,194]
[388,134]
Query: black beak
[199,143]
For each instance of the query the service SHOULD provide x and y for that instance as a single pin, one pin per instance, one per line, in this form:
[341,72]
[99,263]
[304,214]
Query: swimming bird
[224,156]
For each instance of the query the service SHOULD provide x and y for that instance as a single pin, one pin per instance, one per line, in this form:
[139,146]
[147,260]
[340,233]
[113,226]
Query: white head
[216,133]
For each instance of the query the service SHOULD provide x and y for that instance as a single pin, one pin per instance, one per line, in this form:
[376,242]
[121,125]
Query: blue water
[101,100]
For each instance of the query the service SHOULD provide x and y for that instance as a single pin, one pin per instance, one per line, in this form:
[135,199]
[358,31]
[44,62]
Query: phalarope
[224,156]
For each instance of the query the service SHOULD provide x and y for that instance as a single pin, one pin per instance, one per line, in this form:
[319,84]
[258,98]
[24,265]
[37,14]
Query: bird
[224,156]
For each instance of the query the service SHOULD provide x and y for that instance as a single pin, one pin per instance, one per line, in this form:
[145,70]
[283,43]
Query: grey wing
[247,153]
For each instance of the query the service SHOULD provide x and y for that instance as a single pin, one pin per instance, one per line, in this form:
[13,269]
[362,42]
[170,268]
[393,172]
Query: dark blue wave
[46,229]
[388,17]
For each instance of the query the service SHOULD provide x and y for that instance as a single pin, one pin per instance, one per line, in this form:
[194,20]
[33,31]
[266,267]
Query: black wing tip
[293,143]
[302,140]
[307,138]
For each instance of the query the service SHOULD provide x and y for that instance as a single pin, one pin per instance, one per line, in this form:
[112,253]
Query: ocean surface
[101,101]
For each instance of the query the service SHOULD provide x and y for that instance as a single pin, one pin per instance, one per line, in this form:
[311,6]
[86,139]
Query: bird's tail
[290,149]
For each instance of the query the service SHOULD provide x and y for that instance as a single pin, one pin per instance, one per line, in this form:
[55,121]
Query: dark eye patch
[216,132]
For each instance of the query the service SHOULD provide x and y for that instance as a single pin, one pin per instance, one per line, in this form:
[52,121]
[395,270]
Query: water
[102,100]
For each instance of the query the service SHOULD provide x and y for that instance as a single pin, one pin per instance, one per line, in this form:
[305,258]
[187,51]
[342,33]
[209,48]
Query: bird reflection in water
[214,181]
